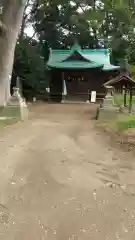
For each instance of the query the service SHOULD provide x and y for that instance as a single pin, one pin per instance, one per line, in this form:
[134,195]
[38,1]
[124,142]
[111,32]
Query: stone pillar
[64,90]
[108,101]
[16,106]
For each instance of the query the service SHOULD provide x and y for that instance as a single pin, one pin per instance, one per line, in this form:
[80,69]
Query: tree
[10,22]
[29,66]
[117,28]
[57,22]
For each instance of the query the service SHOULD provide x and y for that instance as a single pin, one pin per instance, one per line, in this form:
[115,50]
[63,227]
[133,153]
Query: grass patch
[125,123]
[7,122]
[10,111]
[122,123]
[11,114]
[119,99]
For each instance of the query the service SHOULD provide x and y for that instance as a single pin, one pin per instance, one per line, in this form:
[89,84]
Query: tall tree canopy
[95,23]
[56,23]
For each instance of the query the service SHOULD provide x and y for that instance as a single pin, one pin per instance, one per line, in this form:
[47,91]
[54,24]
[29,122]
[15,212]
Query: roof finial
[75,40]
[76,46]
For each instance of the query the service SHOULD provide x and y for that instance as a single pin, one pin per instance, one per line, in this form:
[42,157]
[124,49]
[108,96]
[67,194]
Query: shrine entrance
[77,86]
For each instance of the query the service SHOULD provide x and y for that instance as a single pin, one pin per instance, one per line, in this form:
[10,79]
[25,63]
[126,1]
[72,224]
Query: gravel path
[60,179]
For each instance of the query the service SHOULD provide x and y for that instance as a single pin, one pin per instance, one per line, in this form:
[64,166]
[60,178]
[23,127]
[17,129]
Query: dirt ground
[62,179]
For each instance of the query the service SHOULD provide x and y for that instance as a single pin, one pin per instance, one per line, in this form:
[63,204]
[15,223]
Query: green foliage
[57,23]
[126,123]
[122,123]
[119,99]
[94,22]
[28,63]
[132,68]
[29,66]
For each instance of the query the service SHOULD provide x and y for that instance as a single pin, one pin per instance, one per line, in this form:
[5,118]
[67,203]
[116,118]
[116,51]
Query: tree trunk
[9,29]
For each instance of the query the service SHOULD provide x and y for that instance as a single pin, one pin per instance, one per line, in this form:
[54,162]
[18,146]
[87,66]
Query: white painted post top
[93,96]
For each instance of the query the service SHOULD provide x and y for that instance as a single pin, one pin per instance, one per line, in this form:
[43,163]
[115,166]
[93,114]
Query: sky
[29,31]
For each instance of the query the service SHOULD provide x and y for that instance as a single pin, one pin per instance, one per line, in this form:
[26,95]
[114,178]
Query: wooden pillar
[130,101]
[125,97]
[56,86]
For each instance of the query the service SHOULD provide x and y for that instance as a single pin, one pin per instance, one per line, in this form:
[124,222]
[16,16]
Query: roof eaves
[74,65]
[110,67]
[118,79]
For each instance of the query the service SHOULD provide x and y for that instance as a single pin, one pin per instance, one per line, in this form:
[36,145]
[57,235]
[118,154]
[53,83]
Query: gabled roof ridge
[118,79]
[80,54]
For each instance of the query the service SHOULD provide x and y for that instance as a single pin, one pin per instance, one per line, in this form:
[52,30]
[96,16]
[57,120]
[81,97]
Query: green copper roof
[76,65]
[76,47]
[77,58]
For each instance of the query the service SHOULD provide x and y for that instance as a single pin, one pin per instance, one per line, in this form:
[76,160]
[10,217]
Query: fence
[55,97]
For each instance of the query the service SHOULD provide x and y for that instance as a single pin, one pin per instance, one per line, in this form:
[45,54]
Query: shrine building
[75,73]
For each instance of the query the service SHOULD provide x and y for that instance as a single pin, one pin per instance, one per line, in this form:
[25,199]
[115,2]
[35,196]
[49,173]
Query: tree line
[55,24]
